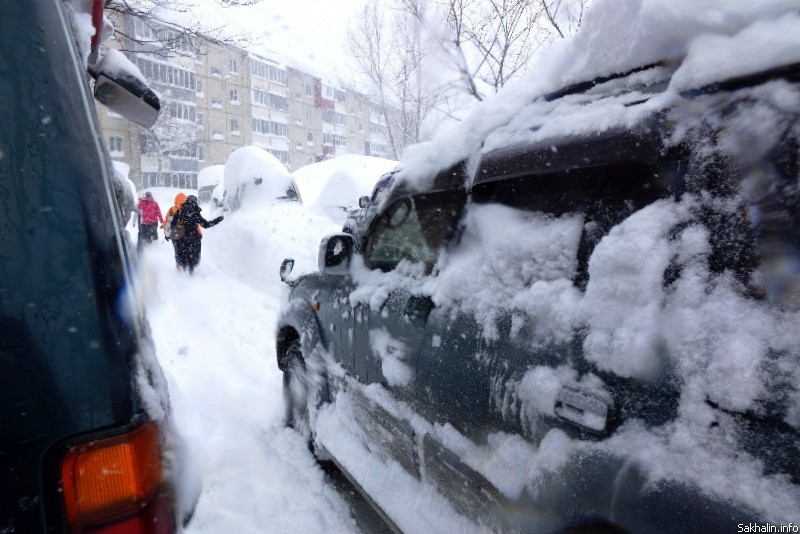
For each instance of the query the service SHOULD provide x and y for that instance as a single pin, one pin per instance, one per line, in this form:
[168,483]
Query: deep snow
[214,334]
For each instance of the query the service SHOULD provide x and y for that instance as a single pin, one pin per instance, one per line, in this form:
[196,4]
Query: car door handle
[584,408]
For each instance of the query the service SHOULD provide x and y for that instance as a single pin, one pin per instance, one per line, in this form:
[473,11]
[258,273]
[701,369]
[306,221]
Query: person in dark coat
[188,247]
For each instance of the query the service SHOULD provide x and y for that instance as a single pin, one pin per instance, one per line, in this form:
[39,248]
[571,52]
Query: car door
[390,327]
[405,242]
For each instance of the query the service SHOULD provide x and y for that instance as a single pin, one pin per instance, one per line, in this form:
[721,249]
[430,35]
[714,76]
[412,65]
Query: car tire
[295,391]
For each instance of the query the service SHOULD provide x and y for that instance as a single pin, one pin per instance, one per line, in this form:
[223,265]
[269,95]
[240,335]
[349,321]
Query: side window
[604,196]
[412,229]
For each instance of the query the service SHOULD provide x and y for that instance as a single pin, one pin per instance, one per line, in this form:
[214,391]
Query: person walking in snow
[180,198]
[188,247]
[150,219]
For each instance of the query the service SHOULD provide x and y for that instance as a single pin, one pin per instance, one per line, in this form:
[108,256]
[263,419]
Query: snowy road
[214,337]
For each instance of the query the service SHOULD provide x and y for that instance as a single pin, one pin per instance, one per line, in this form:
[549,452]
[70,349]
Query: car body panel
[75,353]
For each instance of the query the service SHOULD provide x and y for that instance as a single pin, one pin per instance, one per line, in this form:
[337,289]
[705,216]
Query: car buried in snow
[578,327]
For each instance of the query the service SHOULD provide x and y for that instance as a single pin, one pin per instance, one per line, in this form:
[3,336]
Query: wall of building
[216,98]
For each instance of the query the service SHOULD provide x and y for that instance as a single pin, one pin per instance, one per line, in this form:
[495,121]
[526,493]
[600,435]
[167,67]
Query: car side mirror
[126,95]
[335,252]
[286,268]
[117,87]
[363,202]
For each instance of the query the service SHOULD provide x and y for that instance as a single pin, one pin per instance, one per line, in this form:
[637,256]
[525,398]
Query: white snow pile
[210,176]
[333,186]
[711,41]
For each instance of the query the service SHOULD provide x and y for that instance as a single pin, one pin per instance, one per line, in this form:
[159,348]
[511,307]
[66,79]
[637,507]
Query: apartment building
[216,97]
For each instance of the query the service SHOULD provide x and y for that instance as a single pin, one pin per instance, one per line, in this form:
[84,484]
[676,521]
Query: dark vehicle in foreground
[86,439]
[583,328]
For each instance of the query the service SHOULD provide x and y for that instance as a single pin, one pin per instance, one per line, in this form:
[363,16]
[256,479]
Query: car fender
[297,320]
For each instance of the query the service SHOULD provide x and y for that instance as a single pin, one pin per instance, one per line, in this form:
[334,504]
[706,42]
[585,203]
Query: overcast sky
[309,32]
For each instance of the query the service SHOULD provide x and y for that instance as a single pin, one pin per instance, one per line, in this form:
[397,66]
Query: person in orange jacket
[180,198]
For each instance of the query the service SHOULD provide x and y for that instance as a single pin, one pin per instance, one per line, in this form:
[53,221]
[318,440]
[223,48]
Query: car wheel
[296,391]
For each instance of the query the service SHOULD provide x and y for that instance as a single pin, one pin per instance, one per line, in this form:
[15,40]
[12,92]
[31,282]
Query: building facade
[216,97]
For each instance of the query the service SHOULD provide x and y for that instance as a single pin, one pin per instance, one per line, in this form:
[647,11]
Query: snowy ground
[214,335]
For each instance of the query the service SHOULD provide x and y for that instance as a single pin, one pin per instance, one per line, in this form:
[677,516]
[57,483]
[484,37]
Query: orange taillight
[112,476]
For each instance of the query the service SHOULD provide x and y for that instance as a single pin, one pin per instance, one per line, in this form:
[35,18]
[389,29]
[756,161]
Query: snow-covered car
[87,442]
[254,176]
[589,323]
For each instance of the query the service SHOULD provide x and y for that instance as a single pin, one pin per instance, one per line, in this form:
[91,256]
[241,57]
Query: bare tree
[490,42]
[487,43]
[170,138]
[388,46]
[564,16]
[483,44]
[170,42]
[371,51]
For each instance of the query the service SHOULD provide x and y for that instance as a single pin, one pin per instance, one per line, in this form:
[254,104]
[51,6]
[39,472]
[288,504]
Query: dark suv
[86,443]
[579,327]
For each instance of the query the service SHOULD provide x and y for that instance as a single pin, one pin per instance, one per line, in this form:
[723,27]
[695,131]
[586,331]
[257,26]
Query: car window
[604,195]
[380,194]
[412,229]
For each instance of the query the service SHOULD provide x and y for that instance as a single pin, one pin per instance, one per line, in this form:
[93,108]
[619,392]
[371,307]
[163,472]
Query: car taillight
[113,485]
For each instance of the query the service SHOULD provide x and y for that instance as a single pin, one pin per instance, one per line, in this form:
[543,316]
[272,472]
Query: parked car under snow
[590,323]
[253,175]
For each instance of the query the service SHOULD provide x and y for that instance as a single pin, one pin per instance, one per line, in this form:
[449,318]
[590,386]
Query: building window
[310,137]
[333,117]
[268,72]
[115,146]
[199,118]
[234,94]
[235,127]
[179,110]
[269,100]
[216,73]
[308,91]
[333,139]
[233,66]
[308,115]
[198,87]
[201,153]
[265,127]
